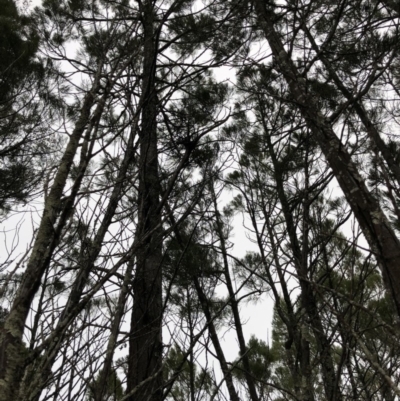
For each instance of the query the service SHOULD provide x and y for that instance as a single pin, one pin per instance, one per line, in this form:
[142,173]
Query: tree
[260,359]
[131,281]
[91,128]
[24,104]
[191,384]
[376,228]
[114,391]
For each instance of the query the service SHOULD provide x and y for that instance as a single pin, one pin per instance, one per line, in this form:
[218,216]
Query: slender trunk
[12,350]
[215,340]
[288,317]
[304,344]
[100,391]
[145,342]
[393,5]
[191,354]
[88,256]
[210,322]
[291,323]
[233,302]
[374,224]
[370,128]
[308,298]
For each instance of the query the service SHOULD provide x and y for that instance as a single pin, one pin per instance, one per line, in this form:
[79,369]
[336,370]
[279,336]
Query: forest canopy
[168,165]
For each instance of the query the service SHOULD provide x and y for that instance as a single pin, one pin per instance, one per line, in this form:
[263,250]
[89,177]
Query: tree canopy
[181,161]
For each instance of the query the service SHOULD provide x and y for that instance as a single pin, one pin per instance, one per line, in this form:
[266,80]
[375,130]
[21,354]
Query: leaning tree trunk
[373,222]
[370,128]
[226,371]
[12,350]
[145,345]
[308,295]
[233,300]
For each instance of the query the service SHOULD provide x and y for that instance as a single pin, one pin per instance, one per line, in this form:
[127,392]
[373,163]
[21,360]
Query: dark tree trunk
[370,128]
[145,343]
[373,222]
[308,296]
[216,343]
[233,301]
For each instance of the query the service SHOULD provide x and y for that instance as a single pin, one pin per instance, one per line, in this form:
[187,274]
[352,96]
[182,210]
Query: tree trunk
[233,301]
[216,343]
[374,224]
[12,349]
[370,128]
[145,343]
[308,296]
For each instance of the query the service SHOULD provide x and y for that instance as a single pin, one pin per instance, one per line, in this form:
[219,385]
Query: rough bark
[373,222]
[145,343]
[12,349]
[89,254]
